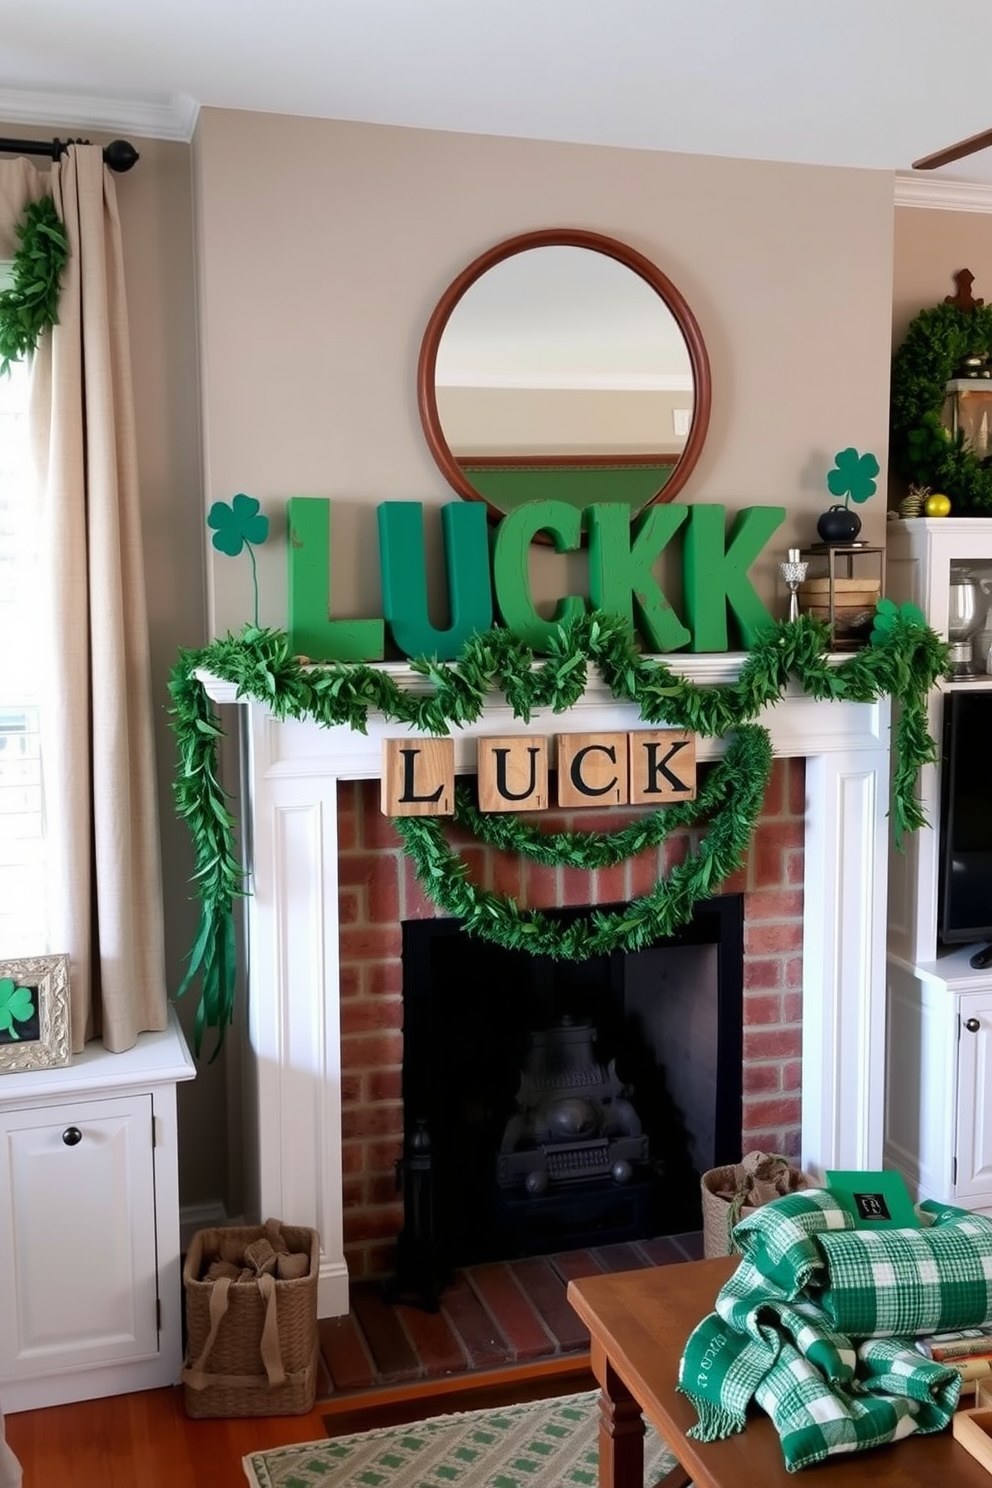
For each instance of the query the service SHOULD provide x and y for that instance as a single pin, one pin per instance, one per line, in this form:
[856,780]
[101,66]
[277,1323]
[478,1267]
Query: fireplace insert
[552,1105]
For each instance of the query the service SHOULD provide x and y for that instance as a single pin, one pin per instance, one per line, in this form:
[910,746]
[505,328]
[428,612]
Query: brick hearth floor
[498,1316]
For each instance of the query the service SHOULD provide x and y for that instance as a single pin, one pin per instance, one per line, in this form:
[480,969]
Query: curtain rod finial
[120,155]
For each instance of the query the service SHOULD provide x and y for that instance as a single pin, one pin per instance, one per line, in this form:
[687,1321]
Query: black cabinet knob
[72,1136]
[972,1025]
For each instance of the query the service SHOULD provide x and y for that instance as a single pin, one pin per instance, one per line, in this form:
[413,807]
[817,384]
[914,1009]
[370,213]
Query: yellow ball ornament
[937,506]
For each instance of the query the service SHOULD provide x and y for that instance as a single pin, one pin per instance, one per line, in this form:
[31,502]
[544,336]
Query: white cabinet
[938,1117]
[938,1089]
[90,1286]
[973,1148]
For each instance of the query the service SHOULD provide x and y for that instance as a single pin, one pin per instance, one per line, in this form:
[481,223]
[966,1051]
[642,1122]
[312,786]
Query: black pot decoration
[838,526]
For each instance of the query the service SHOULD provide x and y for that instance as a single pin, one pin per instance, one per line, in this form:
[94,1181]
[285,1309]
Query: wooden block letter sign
[662,767]
[592,769]
[513,774]
[418,777]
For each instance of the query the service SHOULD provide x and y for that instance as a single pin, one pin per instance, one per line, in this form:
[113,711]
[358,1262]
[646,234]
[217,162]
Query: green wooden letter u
[404,576]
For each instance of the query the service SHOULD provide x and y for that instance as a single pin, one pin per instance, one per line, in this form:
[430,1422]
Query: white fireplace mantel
[292,770]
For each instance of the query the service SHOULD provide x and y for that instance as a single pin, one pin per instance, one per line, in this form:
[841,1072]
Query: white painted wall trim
[168,117]
[937,194]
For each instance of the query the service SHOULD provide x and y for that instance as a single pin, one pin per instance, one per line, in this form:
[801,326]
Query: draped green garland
[736,784]
[903,662]
[31,303]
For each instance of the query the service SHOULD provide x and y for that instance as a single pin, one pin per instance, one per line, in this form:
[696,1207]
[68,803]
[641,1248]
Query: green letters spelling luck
[488,579]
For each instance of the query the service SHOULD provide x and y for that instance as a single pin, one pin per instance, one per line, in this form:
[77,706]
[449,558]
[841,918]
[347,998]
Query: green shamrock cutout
[238,526]
[16,1006]
[888,615]
[853,476]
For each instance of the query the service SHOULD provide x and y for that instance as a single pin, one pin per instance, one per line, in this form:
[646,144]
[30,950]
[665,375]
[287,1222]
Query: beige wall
[324,246]
[929,248]
[155,201]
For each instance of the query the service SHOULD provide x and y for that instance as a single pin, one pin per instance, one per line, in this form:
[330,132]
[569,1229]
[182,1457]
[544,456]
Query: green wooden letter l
[404,576]
[312,632]
[715,573]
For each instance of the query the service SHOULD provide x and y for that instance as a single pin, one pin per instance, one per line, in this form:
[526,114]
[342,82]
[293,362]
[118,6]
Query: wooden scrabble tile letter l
[418,777]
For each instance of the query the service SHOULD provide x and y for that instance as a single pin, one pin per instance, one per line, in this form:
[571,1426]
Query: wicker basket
[733,1192]
[252,1347]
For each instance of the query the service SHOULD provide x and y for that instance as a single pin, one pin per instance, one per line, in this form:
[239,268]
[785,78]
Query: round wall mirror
[564,365]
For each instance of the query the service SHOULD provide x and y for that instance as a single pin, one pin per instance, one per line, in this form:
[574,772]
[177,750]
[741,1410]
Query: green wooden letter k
[715,573]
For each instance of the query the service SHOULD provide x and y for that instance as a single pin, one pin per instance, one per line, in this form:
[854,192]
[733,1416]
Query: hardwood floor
[146,1440]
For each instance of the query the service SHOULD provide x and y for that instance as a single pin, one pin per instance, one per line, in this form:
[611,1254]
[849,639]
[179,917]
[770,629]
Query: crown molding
[937,194]
[171,118]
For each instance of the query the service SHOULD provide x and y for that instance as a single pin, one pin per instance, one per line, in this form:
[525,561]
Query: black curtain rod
[118,156]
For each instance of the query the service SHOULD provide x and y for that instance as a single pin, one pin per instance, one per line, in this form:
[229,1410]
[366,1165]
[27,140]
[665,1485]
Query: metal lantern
[968,406]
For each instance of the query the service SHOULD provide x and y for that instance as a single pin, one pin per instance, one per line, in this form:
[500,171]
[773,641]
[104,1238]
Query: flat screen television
[964,911]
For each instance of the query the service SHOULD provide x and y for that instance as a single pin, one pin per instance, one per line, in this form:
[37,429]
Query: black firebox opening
[661,1032]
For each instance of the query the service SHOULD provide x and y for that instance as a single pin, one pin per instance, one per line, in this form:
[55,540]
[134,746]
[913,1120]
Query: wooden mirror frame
[562,238]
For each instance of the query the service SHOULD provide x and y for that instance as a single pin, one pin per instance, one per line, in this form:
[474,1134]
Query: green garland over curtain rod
[903,662]
[31,303]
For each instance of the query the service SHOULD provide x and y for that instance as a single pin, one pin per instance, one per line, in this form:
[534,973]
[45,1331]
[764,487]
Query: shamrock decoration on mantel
[16,1006]
[853,477]
[888,615]
[238,526]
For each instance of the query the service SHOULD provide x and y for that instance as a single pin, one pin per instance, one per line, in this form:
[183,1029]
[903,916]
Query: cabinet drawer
[77,1235]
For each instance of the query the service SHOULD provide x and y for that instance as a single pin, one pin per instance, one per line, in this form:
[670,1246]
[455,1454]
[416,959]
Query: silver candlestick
[793,572]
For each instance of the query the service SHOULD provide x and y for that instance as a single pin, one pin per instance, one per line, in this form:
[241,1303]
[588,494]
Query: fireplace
[322,980]
[568,1104]
[754,931]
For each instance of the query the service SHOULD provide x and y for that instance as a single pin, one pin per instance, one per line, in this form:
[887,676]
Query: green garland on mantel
[904,660]
[920,448]
[31,303]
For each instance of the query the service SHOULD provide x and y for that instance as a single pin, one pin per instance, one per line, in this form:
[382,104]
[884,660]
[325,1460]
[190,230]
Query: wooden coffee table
[639,1322]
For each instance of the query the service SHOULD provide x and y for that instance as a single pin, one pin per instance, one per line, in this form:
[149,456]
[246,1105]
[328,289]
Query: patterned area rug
[543,1444]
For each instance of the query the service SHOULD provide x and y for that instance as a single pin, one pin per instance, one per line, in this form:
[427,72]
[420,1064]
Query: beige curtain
[105,905]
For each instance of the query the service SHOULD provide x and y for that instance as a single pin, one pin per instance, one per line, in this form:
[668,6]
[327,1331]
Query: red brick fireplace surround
[378,890]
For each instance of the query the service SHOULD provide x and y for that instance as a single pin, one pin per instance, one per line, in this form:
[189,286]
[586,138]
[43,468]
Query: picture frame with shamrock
[34,1014]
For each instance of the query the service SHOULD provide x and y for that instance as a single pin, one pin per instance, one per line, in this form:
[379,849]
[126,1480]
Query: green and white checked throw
[817,1325]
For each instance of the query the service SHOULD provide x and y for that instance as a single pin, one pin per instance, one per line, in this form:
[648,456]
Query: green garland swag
[904,660]
[746,756]
[738,781]
[31,303]
[920,448]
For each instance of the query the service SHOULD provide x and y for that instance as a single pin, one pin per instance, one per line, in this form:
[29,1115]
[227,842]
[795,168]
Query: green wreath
[31,303]
[921,449]
[903,661]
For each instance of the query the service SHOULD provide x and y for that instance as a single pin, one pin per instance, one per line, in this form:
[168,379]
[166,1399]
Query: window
[23,929]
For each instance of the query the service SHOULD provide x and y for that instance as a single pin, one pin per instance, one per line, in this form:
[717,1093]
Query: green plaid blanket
[817,1325]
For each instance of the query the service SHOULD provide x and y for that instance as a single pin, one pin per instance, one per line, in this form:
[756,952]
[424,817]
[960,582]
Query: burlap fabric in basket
[251,1321]
[733,1192]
